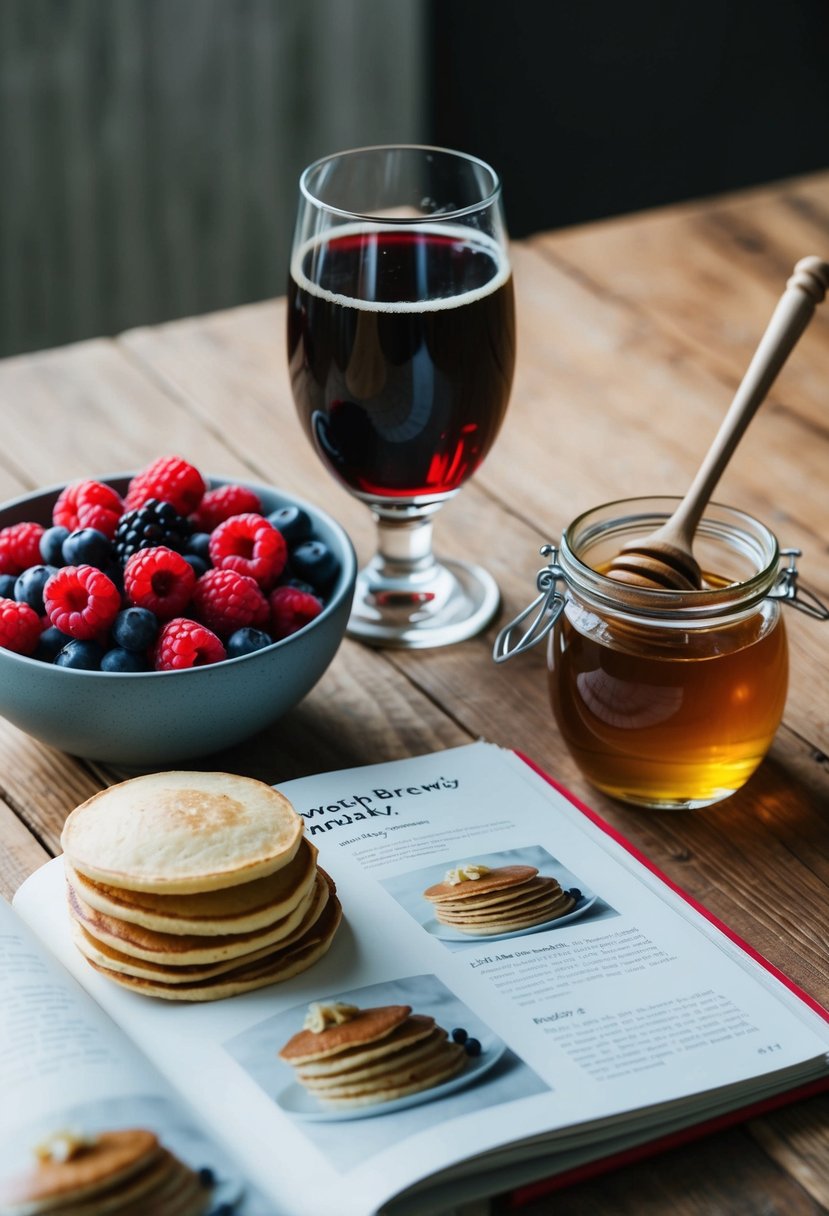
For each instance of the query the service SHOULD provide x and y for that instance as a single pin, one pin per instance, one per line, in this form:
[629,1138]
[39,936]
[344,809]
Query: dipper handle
[805,289]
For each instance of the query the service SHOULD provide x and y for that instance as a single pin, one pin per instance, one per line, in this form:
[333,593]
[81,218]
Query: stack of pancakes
[124,1172]
[376,1056]
[195,886]
[505,899]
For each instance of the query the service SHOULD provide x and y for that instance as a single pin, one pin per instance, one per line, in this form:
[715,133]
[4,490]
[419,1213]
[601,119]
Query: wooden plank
[41,784]
[720,1176]
[795,1137]
[20,855]
[710,275]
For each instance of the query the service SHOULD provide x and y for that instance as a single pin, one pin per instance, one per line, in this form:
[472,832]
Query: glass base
[452,601]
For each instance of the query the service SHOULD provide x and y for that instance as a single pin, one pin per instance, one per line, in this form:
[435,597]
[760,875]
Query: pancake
[115,1173]
[240,909]
[185,949]
[273,968]
[451,1060]
[506,926]
[99,952]
[551,898]
[375,1055]
[165,1188]
[419,1052]
[182,832]
[366,1027]
[490,899]
[414,1030]
[494,880]
[505,899]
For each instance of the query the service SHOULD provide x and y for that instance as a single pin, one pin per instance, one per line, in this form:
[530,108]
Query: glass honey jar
[665,699]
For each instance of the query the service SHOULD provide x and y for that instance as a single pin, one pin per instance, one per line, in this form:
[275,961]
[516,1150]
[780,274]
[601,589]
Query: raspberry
[225,601]
[184,643]
[160,580]
[219,504]
[249,544]
[19,547]
[88,504]
[81,601]
[156,523]
[19,627]
[172,480]
[291,609]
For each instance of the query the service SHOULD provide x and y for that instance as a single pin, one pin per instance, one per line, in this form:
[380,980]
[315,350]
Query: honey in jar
[668,699]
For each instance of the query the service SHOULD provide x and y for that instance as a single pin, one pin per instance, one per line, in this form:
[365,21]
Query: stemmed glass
[401,346]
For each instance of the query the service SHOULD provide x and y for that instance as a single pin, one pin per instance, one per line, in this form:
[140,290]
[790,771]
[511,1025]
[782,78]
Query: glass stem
[404,542]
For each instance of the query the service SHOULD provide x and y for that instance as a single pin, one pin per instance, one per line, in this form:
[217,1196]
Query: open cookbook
[513,995]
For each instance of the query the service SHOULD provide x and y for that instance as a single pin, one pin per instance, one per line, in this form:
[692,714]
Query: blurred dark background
[149,149]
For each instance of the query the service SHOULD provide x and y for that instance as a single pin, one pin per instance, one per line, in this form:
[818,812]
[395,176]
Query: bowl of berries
[161,615]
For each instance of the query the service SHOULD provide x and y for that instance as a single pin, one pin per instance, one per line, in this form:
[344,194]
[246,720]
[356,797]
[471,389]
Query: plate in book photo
[446,933]
[297,1102]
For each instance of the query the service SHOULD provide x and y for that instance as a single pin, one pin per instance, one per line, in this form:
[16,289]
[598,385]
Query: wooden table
[632,337]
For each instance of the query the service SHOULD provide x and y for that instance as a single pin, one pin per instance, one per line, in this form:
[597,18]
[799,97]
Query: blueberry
[472,1047]
[459,1035]
[51,545]
[246,641]
[199,545]
[85,656]
[298,584]
[7,582]
[574,893]
[314,561]
[119,659]
[87,547]
[199,565]
[206,1176]
[28,587]
[135,629]
[293,523]
[51,643]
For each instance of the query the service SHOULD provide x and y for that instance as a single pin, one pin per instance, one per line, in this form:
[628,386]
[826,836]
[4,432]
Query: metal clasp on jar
[786,588]
[542,613]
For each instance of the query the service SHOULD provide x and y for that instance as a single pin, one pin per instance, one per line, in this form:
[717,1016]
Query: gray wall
[150,148]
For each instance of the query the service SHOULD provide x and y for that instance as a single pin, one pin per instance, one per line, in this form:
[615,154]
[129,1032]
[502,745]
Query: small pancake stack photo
[484,902]
[348,1057]
[195,886]
[128,1172]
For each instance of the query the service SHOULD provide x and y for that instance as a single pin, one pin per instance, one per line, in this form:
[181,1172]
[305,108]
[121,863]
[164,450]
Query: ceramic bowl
[152,718]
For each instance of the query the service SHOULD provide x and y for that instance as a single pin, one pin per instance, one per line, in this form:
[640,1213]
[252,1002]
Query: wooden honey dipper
[664,559]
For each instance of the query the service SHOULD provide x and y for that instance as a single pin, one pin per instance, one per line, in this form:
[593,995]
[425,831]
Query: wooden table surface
[633,334]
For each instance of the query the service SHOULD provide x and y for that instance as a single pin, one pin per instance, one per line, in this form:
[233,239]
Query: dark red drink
[401,346]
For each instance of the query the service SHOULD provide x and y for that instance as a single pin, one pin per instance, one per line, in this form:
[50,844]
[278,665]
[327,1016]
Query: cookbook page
[76,1092]
[574,988]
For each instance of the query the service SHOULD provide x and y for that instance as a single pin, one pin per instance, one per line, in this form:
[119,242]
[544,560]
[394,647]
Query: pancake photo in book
[131,1158]
[359,1069]
[489,897]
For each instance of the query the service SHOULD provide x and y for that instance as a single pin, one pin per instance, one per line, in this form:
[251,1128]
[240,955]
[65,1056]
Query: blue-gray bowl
[152,718]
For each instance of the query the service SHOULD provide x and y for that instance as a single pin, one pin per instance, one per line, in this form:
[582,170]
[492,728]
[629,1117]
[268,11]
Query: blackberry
[155,523]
